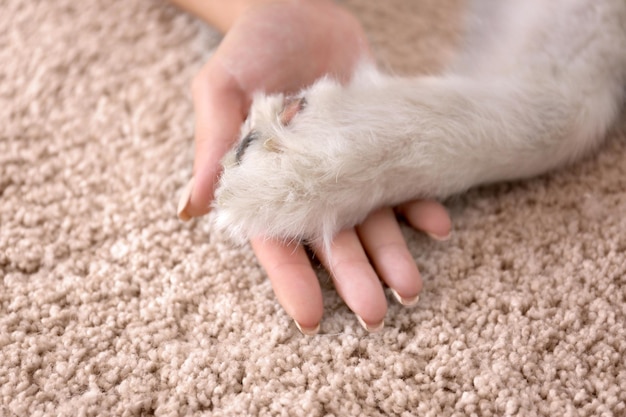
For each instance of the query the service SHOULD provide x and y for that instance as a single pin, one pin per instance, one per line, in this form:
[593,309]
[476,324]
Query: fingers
[357,260]
[355,279]
[219,112]
[293,280]
[428,216]
[382,239]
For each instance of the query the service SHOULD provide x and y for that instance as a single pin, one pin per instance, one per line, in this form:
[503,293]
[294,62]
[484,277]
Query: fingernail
[440,238]
[183,202]
[372,328]
[408,302]
[308,331]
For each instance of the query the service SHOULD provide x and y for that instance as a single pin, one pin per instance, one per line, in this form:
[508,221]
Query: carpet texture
[111,306]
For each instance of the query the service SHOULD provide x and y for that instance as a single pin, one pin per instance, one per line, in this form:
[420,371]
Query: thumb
[219,106]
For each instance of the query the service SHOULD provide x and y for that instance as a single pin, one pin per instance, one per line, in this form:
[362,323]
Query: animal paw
[302,169]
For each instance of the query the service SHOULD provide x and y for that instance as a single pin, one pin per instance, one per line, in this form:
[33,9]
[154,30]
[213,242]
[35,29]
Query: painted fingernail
[440,238]
[308,331]
[408,302]
[372,328]
[183,202]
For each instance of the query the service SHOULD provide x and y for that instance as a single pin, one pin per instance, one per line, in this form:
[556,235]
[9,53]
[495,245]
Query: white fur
[538,93]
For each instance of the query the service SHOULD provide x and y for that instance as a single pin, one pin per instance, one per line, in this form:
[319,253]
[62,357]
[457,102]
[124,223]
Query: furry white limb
[538,94]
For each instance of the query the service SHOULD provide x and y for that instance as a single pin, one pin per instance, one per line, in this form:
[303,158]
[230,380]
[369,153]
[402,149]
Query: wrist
[223,15]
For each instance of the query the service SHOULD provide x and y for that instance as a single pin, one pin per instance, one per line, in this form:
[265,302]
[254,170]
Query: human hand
[282,47]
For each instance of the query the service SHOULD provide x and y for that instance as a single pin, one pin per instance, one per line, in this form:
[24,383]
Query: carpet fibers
[111,306]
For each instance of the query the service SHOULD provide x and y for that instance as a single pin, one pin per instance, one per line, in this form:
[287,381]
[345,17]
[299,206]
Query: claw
[270,145]
[246,141]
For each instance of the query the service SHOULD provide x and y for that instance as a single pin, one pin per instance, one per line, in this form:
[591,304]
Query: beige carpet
[110,306]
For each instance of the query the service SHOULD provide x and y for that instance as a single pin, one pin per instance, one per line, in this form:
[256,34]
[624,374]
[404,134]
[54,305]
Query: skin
[282,46]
